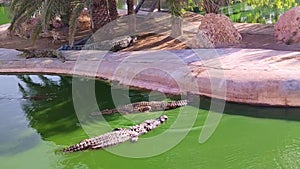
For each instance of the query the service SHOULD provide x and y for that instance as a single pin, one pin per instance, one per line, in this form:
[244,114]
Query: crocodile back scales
[118,136]
[145,106]
[102,141]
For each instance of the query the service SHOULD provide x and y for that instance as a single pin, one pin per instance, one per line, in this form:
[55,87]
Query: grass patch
[3,15]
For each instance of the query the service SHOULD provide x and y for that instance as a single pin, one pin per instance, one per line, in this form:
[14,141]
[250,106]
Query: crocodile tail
[83,145]
[104,112]
[109,111]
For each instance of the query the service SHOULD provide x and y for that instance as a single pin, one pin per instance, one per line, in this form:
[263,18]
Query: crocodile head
[163,118]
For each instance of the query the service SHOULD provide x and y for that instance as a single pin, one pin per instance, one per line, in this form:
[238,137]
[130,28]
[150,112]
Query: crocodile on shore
[144,107]
[41,53]
[117,136]
[114,45]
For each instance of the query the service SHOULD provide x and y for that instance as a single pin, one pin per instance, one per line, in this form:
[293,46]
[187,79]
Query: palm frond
[48,10]
[22,10]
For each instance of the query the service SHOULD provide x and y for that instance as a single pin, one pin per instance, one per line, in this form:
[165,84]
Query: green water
[37,119]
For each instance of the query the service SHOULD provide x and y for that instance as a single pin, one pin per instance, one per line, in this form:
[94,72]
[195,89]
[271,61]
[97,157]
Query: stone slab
[252,76]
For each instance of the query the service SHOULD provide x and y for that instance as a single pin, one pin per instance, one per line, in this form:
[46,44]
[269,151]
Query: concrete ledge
[252,76]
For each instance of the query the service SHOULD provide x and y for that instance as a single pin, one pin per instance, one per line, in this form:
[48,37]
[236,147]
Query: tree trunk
[176,27]
[66,18]
[213,6]
[176,19]
[130,7]
[113,11]
[210,6]
[100,14]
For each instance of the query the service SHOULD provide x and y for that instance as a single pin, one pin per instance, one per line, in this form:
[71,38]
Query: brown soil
[14,42]
[254,36]
[152,41]
[264,41]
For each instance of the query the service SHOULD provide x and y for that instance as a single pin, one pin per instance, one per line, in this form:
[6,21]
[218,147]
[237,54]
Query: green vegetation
[102,12]
[3,15]
[251,11]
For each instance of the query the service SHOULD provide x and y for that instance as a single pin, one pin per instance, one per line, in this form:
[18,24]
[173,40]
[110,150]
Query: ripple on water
[289,155]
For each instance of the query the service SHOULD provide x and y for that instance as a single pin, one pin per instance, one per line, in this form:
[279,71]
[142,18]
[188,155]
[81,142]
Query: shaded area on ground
[254,36]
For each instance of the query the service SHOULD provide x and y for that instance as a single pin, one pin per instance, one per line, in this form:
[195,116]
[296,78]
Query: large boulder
[216,30]
[287,29]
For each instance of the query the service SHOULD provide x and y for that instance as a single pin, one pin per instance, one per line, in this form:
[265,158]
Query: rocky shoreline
[252,76]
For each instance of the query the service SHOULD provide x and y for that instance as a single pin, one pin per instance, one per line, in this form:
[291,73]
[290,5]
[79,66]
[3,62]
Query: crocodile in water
[144,107]
[118,136]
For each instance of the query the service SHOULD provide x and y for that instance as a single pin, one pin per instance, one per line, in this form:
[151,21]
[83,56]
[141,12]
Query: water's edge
[271,87]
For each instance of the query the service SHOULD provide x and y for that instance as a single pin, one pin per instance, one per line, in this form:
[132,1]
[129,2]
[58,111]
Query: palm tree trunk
[213,6]
[100,14]
[113,12]
[130,7]
[176,27]
[176,18]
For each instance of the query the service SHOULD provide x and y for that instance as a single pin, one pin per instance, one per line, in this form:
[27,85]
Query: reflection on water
[37,119]
[20,143]
[15,135]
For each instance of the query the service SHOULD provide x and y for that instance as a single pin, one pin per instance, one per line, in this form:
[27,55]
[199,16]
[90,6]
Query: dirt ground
[254,36]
